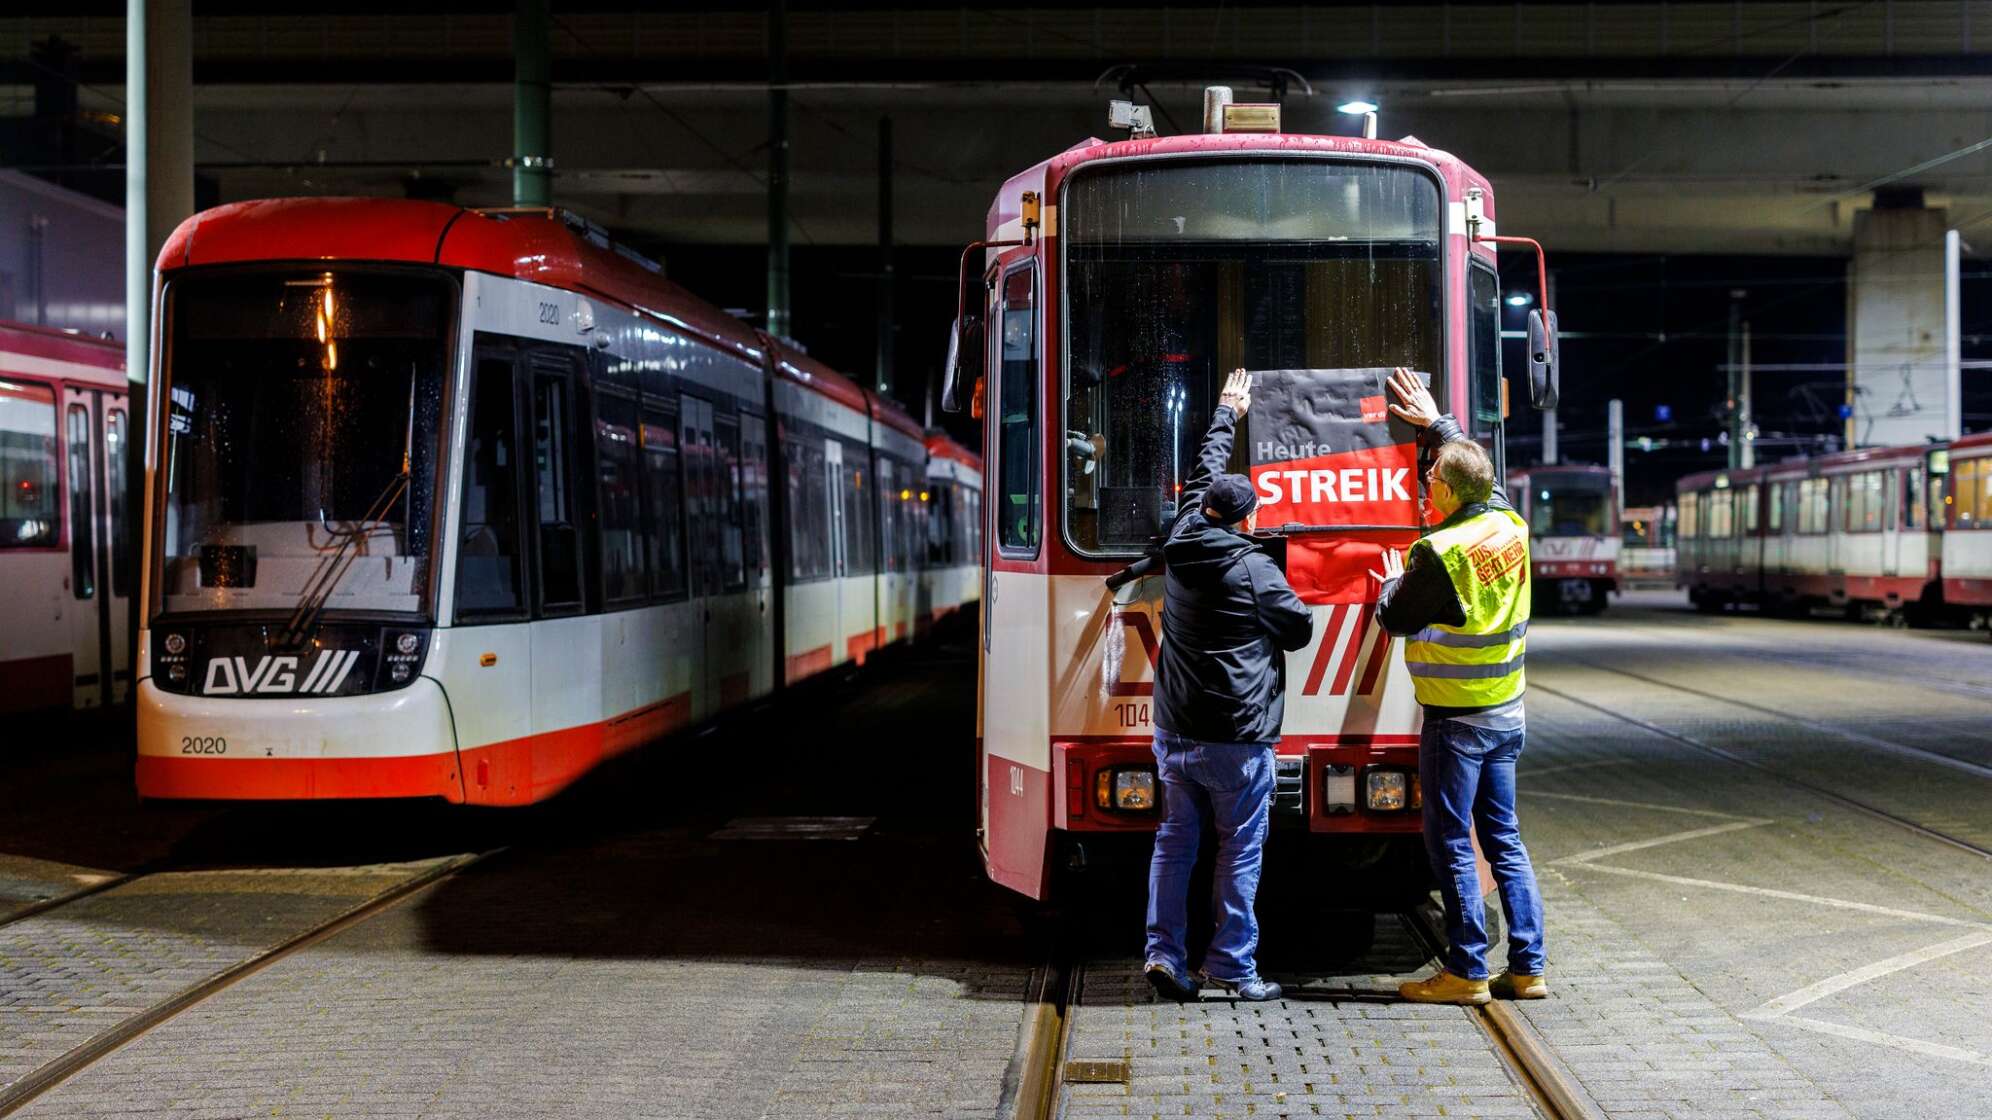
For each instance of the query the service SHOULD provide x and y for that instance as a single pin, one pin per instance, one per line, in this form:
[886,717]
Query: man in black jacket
[1220,683]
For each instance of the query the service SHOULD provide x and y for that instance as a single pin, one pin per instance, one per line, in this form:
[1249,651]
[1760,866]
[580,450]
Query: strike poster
[1335,471]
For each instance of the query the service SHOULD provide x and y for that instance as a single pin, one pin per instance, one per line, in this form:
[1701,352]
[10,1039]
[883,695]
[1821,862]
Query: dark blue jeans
[1469,780]
[1231,786]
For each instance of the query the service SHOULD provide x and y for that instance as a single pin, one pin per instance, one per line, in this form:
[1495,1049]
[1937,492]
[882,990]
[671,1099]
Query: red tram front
[1119,282]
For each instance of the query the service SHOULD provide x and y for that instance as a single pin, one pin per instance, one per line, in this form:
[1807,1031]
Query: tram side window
[663,487]
[858,547]
[1965,483]
[809,515]
[1690,522]
[1862,500]
[559,530]
[1774,496]
[1017,417]
[754,491]
[732,538]
[1912,498]
[1720,525]
[1750,509]
[1484,351]
[28,505]
[115,430]
[488,553]
[940,523]
[616,457]
[82,526]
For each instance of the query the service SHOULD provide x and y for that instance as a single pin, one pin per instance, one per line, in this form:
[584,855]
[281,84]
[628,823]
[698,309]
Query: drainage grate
[795,828]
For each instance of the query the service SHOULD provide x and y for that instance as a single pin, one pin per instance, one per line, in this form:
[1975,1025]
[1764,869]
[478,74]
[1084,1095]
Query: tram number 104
[1132,713]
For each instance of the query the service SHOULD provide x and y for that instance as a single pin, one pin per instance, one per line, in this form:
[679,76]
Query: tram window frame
[117,434]
[1020,375]
[754,491]
[483,361]
[732,537]
[49,457]
[664,548]
[1752,509]
[860,537]
[77,425]
[554,441]
[1966,478]
[1914,511]
[1774,502]
[1483,350]
[619,407]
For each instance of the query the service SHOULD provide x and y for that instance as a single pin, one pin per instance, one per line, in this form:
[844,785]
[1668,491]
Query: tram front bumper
[390,744]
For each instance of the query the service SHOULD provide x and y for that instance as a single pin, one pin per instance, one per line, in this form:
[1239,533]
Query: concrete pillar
[1902,328]
[1615,446]
[778,170]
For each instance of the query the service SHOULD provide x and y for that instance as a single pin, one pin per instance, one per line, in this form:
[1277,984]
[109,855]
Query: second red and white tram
[1118,283]
[448,503]
[1572,511]
[66,576]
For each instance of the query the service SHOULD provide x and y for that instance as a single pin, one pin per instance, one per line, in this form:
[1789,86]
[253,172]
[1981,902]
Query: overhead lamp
[1520,299]
[1364,109]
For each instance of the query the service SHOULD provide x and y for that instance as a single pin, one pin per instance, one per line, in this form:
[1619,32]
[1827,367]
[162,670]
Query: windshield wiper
[325,579]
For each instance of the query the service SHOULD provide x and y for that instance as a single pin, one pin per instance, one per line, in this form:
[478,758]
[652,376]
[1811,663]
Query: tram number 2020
[1132,714]
[203,744]
[549,313]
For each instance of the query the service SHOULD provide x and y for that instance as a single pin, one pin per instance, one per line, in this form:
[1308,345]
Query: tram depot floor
[1761,843]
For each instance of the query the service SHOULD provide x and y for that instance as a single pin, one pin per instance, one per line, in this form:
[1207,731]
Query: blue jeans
[1469,780]
[1231,786]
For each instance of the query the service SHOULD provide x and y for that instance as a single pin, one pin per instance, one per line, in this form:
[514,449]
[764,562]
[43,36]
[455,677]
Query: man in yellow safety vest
[1462,604]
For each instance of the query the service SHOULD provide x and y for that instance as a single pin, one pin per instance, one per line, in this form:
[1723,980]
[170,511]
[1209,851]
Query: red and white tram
[1574,544]
[65,562]
[1863,531]
[449,503]
[1965,567]
[1118,283]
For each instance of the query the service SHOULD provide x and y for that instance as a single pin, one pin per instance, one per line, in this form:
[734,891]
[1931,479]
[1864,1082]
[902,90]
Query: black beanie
[1230,498]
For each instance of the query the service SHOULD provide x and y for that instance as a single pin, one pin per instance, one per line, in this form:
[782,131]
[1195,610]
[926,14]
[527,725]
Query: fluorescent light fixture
[1356,107]
[1520,299]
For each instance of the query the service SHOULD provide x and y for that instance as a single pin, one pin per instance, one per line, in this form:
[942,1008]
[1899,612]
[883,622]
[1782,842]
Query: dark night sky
[1650,330]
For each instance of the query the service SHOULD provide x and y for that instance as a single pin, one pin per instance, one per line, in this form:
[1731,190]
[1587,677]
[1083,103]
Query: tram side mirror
[1543,359]
[963,367]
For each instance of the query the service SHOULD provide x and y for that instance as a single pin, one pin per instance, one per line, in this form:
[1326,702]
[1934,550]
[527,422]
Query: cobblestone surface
[70,973]
[1337,1046]
[501,994]
[27,882]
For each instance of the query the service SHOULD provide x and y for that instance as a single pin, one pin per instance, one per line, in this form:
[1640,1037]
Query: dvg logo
[278,675]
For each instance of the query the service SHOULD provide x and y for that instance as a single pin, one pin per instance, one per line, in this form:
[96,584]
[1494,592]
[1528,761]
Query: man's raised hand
[1393,566]
[1414,404]
[1237,392]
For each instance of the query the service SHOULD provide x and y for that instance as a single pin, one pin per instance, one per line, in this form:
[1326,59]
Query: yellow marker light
[905,495]
[487,659]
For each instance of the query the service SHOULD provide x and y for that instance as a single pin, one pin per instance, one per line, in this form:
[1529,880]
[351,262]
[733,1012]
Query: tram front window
[1571,506]
[1177,272]
[295,402]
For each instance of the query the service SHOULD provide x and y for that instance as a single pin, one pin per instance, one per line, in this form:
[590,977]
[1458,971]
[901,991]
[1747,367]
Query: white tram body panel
[606,561]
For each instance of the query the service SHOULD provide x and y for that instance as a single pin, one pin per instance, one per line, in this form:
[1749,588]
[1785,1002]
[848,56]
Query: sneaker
[1516,985]
[1445,988]
[1254,989]
[1170,982]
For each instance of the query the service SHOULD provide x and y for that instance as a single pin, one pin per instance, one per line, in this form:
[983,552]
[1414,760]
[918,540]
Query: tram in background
[453,503]
[1892,533]
[65,561]
[1572,513]
[1118,283]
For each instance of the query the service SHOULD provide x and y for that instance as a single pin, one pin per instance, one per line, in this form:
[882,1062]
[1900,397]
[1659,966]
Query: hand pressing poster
[1335,471]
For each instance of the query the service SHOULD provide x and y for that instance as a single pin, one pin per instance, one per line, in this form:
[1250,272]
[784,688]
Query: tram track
[1833,795]
[1043,1064]
[55,1071]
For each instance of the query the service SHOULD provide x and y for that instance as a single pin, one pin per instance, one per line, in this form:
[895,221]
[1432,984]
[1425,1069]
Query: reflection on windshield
[294,403]
[1563,507]
[1178,272]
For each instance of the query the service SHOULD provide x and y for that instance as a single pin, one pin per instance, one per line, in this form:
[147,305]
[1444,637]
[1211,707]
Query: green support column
[532,110]
[778,170]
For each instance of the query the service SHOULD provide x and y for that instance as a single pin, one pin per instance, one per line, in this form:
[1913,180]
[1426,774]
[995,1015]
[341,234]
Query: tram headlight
[1387,791]
[1338,789]
[400,671]
[175,644]
[177,673]
[408,643]
[1130,789]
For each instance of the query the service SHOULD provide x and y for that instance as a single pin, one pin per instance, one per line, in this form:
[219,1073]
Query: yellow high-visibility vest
[1478,665]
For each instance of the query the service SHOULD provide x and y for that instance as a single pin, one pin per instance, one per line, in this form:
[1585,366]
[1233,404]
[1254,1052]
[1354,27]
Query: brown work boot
[1444,988]
[1516,985]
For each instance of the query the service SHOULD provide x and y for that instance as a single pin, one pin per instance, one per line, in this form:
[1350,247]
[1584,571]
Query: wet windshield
[294,404]
[1569,505]
[1179,271]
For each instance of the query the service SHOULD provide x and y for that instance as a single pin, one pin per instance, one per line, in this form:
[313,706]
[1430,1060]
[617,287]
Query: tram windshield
[1569,505]
[1179,271]
[295,404]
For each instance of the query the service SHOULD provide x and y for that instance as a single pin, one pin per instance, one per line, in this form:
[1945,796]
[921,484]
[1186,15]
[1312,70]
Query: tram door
[840,545]
[710,533]
[94,430]
[1891,523]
